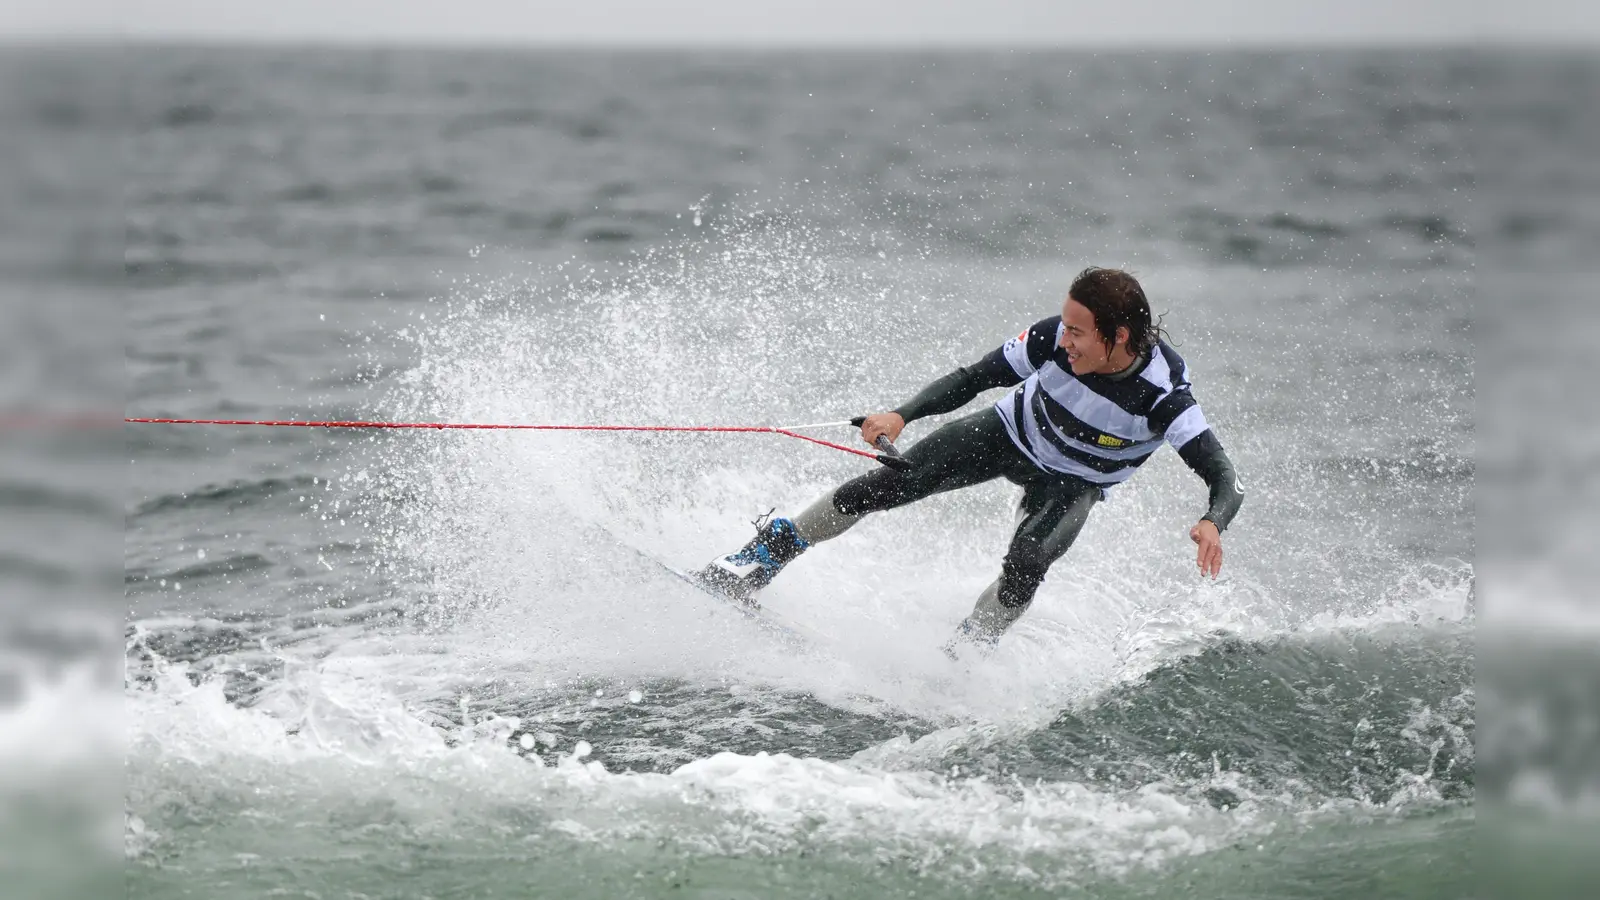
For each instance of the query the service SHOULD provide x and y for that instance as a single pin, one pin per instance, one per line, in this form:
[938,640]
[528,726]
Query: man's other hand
[1209,556]
[887,424]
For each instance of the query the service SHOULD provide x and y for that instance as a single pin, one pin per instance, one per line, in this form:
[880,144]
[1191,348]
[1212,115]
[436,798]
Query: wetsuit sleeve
[1178,417]
[955,390]
[1004,366]
[1204,454]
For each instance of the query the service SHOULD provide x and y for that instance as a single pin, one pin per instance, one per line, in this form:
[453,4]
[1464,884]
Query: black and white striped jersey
[1099,428]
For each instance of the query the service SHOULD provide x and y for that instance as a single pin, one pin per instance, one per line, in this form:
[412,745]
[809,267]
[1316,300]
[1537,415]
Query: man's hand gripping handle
[876,431]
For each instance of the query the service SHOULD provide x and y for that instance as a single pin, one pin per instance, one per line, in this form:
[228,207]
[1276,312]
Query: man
[1098,390]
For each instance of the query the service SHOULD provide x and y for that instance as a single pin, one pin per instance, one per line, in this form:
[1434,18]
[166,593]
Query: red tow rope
[715,429]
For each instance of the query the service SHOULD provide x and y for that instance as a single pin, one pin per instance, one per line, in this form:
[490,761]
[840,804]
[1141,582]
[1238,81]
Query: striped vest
[1098,428]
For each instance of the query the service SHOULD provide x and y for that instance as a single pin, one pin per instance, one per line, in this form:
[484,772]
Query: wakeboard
[773,624]
[763,618]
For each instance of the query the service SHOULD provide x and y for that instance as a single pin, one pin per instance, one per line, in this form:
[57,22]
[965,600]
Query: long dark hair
[1117,301]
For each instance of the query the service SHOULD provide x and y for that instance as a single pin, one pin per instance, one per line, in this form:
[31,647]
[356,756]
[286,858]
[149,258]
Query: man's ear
[1123,334]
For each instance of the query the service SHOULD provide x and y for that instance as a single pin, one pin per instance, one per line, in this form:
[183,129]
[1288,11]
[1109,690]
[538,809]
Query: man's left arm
[1204,454]
[1186,429]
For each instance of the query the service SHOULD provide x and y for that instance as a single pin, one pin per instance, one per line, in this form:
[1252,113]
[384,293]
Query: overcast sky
[758,22]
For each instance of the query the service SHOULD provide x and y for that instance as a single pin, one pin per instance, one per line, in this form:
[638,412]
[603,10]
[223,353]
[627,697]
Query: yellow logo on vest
[1106,440]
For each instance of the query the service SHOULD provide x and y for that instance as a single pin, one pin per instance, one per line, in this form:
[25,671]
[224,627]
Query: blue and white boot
[740,575]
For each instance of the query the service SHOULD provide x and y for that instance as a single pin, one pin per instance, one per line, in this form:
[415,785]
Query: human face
[1086,350]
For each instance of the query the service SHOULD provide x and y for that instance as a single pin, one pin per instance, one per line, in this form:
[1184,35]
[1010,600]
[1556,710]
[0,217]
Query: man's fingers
[873,428]
[1208,555]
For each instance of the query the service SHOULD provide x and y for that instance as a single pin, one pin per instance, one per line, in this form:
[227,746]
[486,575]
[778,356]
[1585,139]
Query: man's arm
[1005,366]
[1180,420]
[946,394]
[1204,454]
[955,390]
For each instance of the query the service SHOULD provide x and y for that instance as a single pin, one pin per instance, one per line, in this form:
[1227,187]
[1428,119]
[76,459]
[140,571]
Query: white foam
[725,803]
[62,720]
[1540,599]
[61,749]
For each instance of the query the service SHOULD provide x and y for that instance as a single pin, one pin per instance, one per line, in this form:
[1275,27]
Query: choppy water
[397,664]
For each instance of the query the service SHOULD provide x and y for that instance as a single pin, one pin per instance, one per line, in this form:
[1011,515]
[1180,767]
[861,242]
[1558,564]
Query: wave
[1426,465]
[1354,715]
[407,185]
[198,762]
[36,570]
[244,650]
[1433,228]
[1284,236]
[1149,774]
[188,115]
[234,495]
[1358,715]
[237,564]
[170,271]
[582,127]
[18,497]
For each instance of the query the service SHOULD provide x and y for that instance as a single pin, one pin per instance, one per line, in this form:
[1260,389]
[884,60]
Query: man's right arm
[1005,366]
[955,390]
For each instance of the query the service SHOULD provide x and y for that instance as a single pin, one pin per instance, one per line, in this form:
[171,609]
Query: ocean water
[403,664]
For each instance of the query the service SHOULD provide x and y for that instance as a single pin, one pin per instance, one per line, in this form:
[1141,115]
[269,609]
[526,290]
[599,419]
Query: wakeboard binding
[740,575]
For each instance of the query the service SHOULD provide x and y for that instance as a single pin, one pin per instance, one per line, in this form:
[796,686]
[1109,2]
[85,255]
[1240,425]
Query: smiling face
[1086,348]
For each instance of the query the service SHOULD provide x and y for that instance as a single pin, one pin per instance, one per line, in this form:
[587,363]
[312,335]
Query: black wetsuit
[1055,504]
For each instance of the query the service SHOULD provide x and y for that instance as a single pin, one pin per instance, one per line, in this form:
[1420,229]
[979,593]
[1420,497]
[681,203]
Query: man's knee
[858,496]
[1021,573]
[822,520]
[876,491]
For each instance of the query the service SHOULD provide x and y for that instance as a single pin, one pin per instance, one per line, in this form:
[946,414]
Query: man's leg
[965,452]
[1051,515]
